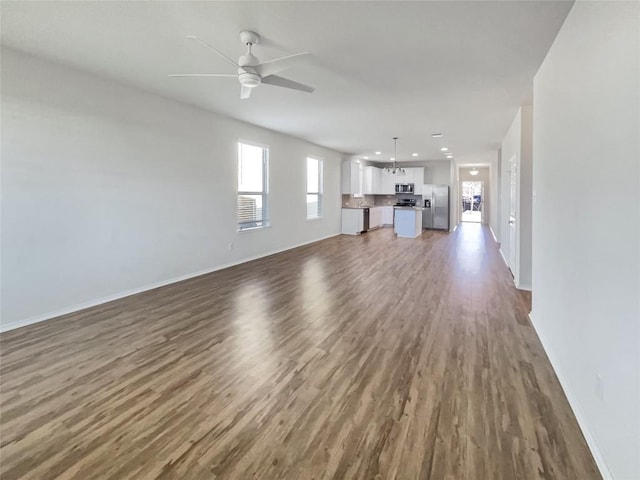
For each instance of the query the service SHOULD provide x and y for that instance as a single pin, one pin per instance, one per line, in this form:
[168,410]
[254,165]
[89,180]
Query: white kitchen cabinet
[387,183]
[418,180]
[351,177]
[371,180]
[386,215]
[375,217]
[418,176]
[407,177]
[352,221]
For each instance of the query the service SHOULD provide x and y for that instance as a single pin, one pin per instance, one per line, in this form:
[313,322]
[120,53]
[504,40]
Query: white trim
[493,234]
[503,257]
[251,143]
[522,286]
[116,296]
[252,229]
[575,407]
[402,236]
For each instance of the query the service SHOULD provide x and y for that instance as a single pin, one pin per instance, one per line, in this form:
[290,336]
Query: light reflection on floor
[253,333]
[471,248]
[471,216]
[317,302]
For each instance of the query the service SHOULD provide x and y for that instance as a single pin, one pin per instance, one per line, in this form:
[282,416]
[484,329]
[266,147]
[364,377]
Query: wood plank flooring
[365,357]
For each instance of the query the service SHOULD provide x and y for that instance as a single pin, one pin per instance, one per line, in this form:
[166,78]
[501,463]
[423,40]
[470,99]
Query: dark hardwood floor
[356,357]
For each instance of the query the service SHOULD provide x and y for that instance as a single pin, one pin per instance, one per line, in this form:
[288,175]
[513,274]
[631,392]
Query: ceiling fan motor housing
[248,78]
[248,60]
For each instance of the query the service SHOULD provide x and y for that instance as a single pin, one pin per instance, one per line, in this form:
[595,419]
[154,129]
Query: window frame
[264,222]
[320,186]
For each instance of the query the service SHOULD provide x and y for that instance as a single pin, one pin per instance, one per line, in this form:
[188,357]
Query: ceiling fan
[251,72]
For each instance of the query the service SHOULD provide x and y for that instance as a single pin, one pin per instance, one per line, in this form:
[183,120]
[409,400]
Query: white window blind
[314,187]
[253,163]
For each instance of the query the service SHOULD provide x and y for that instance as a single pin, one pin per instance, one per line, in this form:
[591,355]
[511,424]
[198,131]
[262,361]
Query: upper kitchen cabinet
[371,184]
[352,174]
[407,177]
[418,176]
[387,183]
[370,180]
[418,180]
[414,176]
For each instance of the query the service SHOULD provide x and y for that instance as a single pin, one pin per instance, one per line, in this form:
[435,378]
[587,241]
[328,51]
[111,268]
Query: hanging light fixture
[473,171]
[394,169]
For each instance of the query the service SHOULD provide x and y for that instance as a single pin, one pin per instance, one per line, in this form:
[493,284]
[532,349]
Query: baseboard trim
[504,259]
[575,407]
[523,286]
[134,291]
[493,234]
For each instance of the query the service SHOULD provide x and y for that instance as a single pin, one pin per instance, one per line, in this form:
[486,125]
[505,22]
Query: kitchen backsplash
[376,200]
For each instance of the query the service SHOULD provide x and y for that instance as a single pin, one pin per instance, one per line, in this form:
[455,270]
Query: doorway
[472,202]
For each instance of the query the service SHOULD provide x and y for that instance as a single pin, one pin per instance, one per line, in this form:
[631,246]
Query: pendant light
[394,169]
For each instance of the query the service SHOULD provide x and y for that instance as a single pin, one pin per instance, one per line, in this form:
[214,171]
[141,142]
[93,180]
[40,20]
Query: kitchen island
[408,222]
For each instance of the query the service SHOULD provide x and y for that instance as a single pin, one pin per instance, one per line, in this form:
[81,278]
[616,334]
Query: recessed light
[414,154]
[449,156]
[392,158]
[366,158]
[436,135]
[378,153]
[444,149]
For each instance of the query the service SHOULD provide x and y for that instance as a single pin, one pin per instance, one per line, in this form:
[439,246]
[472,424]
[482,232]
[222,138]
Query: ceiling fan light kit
[251,73]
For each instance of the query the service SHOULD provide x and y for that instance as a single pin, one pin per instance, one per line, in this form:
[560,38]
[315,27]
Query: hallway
[368,357]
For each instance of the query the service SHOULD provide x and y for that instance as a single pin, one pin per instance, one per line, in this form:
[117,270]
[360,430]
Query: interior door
[513,217]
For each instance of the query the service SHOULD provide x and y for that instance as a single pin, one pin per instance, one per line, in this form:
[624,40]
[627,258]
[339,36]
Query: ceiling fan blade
[203,75]
[202,42]
[279,64]
[286,83]
[245,92]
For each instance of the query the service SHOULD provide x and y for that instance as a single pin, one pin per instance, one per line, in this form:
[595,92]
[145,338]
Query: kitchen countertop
[367,206]
[397,207]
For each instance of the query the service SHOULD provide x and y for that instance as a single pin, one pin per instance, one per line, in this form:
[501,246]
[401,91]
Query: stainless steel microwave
[405,188]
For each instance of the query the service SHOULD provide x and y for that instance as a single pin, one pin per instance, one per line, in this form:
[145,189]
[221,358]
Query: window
[314,187]
[253,163]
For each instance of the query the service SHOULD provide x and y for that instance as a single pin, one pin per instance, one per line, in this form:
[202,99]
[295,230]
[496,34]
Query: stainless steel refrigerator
[435,200]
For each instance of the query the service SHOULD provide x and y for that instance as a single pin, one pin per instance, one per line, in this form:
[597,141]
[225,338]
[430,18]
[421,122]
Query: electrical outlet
[599,387]
[230,246]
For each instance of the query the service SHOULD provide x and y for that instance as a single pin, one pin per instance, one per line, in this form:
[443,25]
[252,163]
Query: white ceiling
[380,69]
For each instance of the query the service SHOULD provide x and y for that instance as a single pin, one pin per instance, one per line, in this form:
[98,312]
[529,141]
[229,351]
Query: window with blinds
[253,166]
[314,188]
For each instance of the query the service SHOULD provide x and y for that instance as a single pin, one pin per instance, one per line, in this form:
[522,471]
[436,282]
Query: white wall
[525,199]
[107,189]
[517,144]
[438,172]
[586,249]
[494,221]
[454,192]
